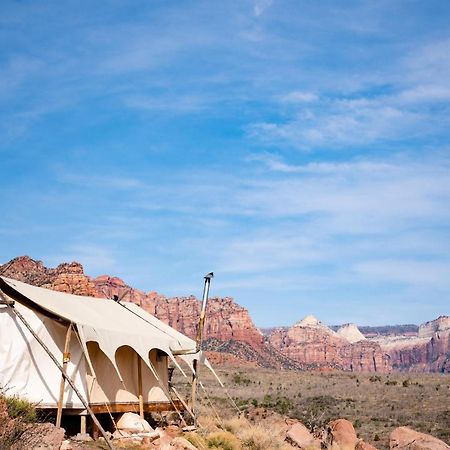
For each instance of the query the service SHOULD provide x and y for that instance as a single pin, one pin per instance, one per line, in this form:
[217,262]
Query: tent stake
[66,359]
[58,365]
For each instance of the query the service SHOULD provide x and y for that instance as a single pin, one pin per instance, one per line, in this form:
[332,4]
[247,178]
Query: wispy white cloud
[299,97]
[206,85]
[95,259]
[177,104]
[409,272]
[94,181]
[351,123]
[260,6]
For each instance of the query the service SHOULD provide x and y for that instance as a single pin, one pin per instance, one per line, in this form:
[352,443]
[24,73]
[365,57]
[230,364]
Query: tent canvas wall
[117,351]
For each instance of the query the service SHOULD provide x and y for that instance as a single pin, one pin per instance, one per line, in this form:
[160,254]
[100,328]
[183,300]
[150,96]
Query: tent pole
[58,365]
[66,359]
[199,339]
[141,398]
[194,391]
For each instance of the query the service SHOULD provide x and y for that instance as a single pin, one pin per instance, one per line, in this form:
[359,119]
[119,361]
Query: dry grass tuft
[235,424]
[196,440]
[258,438]
[223,440]
[208,424]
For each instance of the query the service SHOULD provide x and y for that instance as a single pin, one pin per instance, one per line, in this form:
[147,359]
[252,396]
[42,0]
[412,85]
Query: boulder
[66,445]
[300,436]
[167,435]
[406,438]
[361,445]
[82,437]
[119,434]
[148,438]
[40,435]
[180,443]
[340,435]
[132,423]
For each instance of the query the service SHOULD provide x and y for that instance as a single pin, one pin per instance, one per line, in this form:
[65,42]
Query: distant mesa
[351,333]
[428,329]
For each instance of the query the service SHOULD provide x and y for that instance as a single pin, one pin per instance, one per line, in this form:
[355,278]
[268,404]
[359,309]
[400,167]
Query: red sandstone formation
[226,319]
[230,329]
[64,278]
[428,352]
[311,342]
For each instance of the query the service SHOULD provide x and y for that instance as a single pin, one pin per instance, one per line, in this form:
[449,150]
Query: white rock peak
[309,321]
[351,333]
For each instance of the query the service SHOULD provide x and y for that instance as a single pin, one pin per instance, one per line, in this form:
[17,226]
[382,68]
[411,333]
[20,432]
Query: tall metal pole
[201,322]
[198,341]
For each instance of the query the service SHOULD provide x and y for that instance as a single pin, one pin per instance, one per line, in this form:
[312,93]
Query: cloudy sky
[299,149]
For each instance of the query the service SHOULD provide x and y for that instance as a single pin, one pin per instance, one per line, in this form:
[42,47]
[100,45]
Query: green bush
[20,412]
[19,408]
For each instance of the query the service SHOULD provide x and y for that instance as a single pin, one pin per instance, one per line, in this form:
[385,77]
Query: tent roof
[105,321]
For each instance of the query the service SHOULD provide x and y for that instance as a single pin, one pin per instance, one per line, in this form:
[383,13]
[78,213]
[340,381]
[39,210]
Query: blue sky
[300,149]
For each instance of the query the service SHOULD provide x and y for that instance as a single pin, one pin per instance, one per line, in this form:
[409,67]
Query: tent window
[160,356]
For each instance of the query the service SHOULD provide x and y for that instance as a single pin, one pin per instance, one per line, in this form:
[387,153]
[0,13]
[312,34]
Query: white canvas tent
[118,352]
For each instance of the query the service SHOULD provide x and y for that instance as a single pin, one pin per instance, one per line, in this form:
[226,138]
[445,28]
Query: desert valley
[377,378]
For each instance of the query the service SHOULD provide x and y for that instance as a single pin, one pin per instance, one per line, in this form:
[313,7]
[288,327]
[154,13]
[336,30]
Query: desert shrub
[280,404]
[196,440]
[240,379]
[235,424]
[406,382]
[316,412]
[391,383]
[223,440]
[375,378]
[15,415]
[19,408]
[208,424]
[259,438]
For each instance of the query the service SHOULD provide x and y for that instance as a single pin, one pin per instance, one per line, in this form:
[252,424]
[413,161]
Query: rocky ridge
[312,342]
[229,328]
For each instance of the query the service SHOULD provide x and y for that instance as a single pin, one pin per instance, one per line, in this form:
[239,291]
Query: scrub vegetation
[15,415]
[375,403]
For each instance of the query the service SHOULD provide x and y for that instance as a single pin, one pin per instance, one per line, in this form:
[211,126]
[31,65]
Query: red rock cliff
[226,319]
[229,326]
[428,352]
[311,342]
[67,277]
